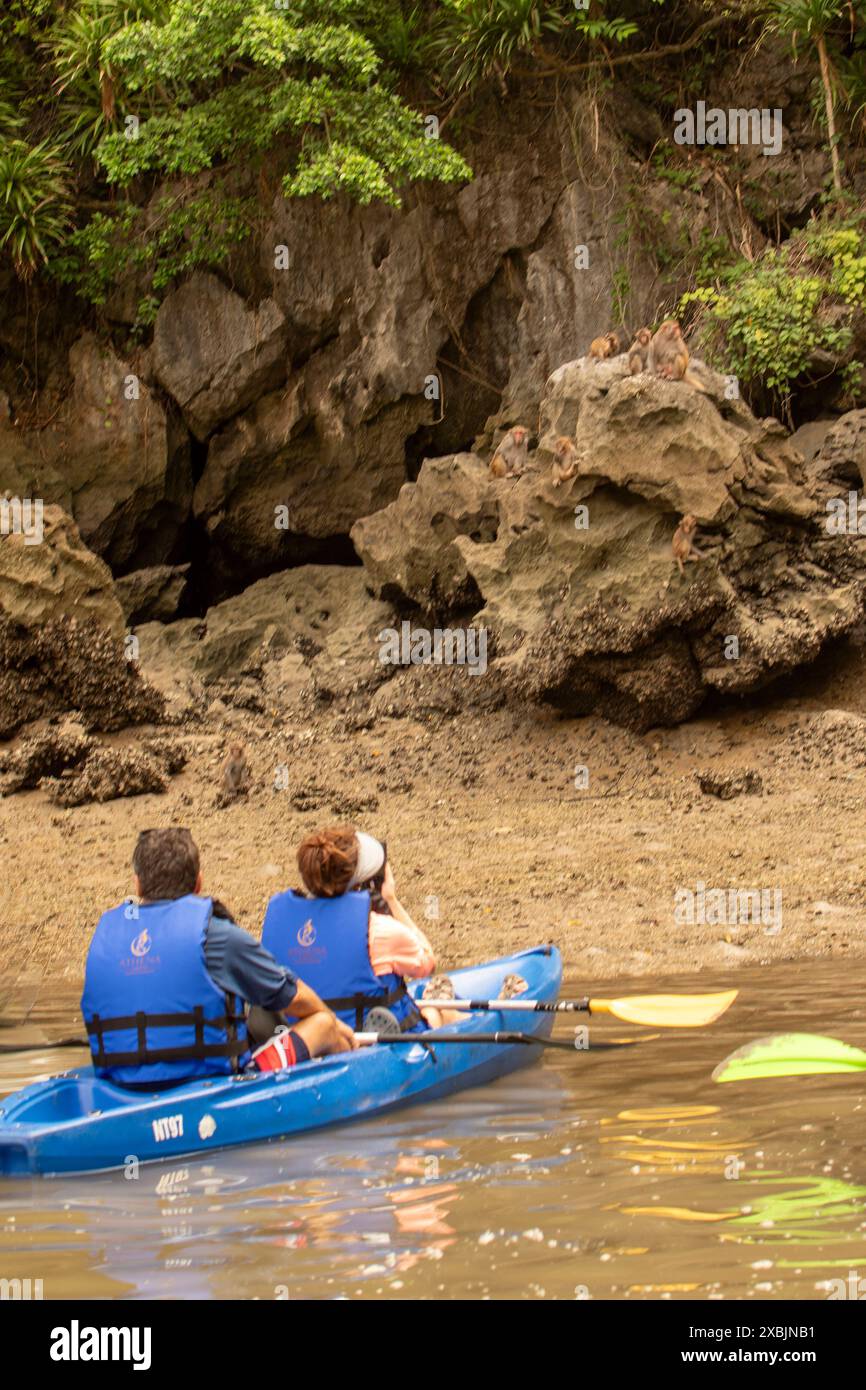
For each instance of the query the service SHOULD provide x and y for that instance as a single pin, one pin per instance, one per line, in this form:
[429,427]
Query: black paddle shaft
[433,1039]
[539,1006]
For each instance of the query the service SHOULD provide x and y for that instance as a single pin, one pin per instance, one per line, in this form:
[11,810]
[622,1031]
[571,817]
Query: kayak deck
[77,1123]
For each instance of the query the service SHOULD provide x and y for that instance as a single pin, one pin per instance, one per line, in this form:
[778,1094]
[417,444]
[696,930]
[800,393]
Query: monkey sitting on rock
[669,356]
[605,346]
[638,353]
[565,460]
[510,458]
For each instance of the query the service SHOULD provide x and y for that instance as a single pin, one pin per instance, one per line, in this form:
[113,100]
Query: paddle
[366,1039]
[433,1039]
[790,1054]
[653,1010]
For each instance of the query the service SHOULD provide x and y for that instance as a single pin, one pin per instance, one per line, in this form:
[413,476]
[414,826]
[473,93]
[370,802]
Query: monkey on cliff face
[669,356]
[682,545]
[236,773]
[639,351]
[510,458]
[605,346]
[565,461]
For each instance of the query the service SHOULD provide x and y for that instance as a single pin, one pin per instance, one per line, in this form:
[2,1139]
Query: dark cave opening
[215,575]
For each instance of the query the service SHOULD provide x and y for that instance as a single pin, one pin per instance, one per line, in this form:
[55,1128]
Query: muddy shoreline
[482,814]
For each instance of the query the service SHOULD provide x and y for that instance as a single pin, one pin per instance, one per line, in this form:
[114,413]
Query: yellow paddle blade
[668,1010]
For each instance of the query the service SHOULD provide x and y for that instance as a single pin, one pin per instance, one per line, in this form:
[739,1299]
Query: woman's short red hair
[328,859]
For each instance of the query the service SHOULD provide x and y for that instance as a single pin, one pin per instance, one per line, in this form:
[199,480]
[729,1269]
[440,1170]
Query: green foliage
[805,19]
[307,85]
[34,203]
[766,319]
[157,243]
[486,37]
[85,83]
[667,165]
[244,75]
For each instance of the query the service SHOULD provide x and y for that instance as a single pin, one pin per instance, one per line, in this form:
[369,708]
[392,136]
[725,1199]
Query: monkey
[639,351]
[669,356]
[565,461]
[605,346]
[509,460]
[236,773]
[682,545]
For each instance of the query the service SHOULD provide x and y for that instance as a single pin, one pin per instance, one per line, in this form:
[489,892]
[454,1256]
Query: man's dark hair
[166,863]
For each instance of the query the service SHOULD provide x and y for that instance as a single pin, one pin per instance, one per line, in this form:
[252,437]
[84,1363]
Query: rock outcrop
[214,353]
[152,595]
[71,665]
[111,454]
[576,585]
[52,574]
[313,628]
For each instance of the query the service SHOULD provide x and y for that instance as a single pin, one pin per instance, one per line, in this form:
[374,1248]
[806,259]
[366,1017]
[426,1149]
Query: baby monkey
[565,461]
[639,351]
[605,346]
[236,773]
[510,458]
[682,545]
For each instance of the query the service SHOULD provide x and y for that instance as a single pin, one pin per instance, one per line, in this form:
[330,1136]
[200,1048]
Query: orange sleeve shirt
[398,949]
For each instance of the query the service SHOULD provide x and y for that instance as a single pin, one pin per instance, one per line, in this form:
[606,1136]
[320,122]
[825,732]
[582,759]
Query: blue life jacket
[325,942]
[152,1011]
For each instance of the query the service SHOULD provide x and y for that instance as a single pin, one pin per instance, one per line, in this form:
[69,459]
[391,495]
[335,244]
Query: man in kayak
[165,981]
[357,958]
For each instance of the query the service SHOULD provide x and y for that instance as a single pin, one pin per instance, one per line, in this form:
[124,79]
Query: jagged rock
[327,608]
[310,798]
[348,808]
[834,738]
[214,353]
[841,456]
[118,462]
[152,595]
[107,774]
[70,664]
[47,754]
[371,301]
[273,488]
[576,584]
[426,567]
[58,576]
[171,755]
[808,438]
[727,785]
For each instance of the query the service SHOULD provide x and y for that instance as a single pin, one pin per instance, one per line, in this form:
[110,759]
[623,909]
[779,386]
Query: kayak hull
[76,1123]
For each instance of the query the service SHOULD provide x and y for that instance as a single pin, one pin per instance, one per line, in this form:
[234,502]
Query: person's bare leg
[319,1035]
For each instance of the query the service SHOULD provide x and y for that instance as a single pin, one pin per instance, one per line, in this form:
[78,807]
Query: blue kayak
[76,1123]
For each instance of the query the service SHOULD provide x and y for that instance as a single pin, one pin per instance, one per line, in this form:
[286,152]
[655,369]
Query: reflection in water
[623,1174]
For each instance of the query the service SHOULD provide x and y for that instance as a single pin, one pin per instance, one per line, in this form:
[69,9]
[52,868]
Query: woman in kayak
[165,980]
[357,956]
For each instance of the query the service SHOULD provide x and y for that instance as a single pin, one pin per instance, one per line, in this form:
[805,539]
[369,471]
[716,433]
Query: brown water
[616,1174]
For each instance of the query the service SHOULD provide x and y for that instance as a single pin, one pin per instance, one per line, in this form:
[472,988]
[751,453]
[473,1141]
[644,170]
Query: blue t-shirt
[238,964]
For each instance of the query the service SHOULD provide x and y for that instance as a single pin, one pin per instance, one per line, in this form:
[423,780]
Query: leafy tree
[213,89]
[241,76]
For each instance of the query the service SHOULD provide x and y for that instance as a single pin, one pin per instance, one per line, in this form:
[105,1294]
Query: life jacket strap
[362,1002]
[199,1050]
